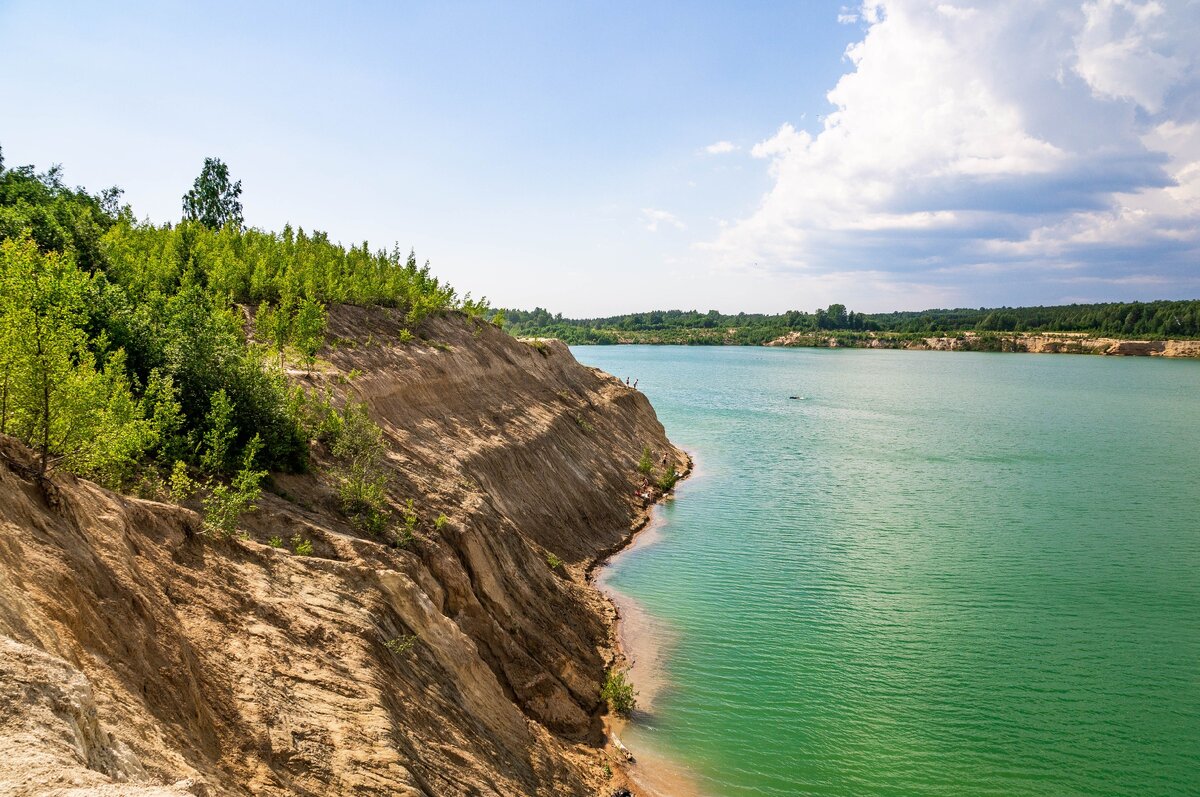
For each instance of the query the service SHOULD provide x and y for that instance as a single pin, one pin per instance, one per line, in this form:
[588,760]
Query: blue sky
[596,158]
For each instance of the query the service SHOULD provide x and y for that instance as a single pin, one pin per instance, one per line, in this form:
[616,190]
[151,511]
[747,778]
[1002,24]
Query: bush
[646,463]
[225,503]
[668,479]
[357,442]
[406,534]
[553,561]
[619,693]
[401,644]
[301,546]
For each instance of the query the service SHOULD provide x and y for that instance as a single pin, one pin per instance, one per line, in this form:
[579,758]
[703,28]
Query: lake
[931,574]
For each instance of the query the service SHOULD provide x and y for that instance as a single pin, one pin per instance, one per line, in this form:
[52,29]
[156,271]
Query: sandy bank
[645,642]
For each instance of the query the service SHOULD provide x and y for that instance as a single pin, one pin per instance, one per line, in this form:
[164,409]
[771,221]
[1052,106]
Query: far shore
[1009,342]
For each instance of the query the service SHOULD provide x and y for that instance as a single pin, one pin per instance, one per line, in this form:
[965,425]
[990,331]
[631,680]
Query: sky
[596,158]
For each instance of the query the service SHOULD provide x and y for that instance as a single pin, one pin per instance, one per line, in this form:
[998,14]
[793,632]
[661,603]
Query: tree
[275,325]
[54,396]
[213,200]
[309,330]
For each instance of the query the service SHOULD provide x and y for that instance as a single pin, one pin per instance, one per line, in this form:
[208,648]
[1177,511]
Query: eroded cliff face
[139,657]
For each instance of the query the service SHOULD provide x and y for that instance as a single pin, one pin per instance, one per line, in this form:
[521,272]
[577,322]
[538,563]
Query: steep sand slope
[138,657]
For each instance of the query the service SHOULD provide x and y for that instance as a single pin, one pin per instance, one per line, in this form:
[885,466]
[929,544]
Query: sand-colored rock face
[137,657]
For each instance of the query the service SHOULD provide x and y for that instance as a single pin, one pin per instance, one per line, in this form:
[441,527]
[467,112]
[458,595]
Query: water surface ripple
[935,574]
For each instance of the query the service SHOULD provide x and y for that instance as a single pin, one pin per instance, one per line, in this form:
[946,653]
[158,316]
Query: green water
[937,574]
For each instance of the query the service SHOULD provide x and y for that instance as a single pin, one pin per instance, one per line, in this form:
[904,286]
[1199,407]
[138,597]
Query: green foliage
[301,546]
[273,326]
[401,644]
[619,693]
[552,561]
[226,503]
[309,330]
[357,443]
[406,532]
[300,324]
[54,393]
[646,463]
[181,486]
[1156,320]
[276,541]
[667,481]
[441,522]
[213,200]
[474,308]
[219,432]
[116,337]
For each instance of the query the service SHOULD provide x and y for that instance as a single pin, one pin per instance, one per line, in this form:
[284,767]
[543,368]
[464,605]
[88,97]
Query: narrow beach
[645,643]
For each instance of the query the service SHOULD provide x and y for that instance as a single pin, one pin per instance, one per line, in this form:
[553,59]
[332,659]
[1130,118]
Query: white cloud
[652,218]
[978,132]
[721,148]
[1126,50]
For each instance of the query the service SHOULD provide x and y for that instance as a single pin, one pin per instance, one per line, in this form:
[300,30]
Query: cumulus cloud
[652,218]
[721,148]
[1045,142]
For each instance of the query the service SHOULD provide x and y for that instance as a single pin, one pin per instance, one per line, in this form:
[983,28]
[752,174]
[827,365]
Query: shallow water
[935,574]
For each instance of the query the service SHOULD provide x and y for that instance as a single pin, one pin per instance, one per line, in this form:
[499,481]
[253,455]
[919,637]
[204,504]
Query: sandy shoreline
[645,642]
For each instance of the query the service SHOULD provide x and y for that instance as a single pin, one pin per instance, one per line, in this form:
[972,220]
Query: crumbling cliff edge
[140,657]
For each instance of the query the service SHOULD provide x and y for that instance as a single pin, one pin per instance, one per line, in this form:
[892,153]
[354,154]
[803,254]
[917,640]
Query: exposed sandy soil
[140,657]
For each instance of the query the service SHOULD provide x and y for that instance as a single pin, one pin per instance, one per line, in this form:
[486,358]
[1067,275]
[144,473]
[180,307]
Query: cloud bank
[1029,151]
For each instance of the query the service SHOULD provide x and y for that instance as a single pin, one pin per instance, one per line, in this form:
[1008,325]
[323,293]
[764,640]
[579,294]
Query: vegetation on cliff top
[1155,320]
[124,347]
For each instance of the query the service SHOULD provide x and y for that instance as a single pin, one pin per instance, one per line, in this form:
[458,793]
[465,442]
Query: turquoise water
[937,574]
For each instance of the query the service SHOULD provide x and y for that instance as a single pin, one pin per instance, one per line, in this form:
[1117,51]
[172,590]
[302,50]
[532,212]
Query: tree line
[1155,320]
[126,351]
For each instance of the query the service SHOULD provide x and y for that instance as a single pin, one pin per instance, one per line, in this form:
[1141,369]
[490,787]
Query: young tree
[308,331]
[213,200]
[54,397]
[275,325]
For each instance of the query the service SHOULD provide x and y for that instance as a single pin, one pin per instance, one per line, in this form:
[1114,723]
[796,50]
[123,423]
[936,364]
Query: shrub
[646,463]
[181,486]
[441,522]
[358,442]
[619,693]
[401,644]
[301,546]
[668,479]
[275,542]
[406,533]
[225,503]
[553,561]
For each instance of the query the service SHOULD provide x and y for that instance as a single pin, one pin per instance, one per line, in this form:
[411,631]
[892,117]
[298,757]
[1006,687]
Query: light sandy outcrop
[140,657]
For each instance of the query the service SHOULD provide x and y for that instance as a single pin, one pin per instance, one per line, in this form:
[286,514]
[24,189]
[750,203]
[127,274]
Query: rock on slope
[139,657]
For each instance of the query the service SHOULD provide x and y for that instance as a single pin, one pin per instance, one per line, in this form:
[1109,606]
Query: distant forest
[1153,320]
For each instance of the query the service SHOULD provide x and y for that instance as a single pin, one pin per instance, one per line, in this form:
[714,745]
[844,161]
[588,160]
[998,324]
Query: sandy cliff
[139,657]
